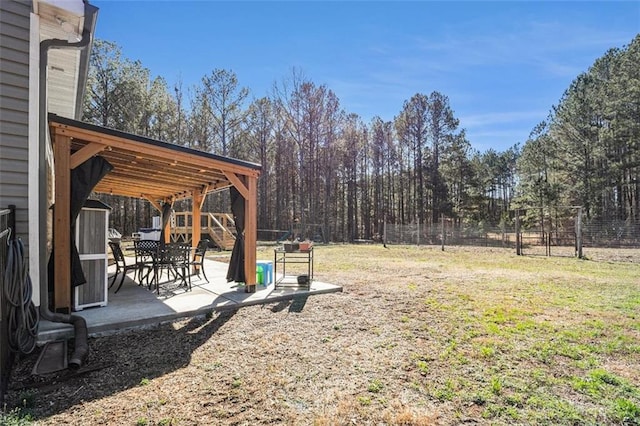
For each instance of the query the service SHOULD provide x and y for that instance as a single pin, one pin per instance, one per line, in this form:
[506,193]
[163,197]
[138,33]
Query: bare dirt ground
[401,346]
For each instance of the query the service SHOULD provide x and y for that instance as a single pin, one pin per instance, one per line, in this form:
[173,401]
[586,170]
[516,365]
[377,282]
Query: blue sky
[502,64]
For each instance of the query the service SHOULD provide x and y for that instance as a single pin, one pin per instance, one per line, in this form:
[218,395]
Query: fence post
[579,233]
[547,242]
[518,238]
[384,234]
[443,230]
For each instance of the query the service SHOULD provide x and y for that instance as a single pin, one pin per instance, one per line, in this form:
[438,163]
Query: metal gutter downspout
[81,346]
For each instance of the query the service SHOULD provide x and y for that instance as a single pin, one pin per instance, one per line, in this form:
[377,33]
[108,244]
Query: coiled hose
[23,318]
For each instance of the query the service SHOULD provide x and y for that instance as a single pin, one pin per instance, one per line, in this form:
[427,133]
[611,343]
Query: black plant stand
[284,258]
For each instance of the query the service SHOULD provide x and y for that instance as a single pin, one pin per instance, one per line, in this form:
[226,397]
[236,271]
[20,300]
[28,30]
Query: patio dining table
[153,257]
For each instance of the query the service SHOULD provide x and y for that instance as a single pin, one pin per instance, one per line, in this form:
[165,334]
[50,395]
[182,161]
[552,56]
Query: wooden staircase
[218,227]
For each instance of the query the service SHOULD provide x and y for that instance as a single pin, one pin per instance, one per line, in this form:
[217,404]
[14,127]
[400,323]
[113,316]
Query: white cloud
[504,117]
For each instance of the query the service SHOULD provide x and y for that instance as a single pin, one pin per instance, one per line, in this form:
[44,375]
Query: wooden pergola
[157,171]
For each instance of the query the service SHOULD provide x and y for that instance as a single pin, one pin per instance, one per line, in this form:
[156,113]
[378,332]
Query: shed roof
[148,168]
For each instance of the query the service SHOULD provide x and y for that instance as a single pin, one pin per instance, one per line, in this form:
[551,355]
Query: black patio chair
[179,257]
[121,264]
[147,254]
[198,258]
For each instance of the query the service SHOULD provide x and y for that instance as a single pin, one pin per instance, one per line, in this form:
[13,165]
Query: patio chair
[121,264]
[147,253]
[198,258]
[179,256]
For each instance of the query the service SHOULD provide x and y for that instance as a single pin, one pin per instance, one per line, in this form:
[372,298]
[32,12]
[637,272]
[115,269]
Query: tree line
[587,152]
[327,172]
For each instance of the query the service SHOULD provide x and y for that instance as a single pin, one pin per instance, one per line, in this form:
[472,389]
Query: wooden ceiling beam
[162,176]
[155,204]
[172,183]
[85,153]
[240,186]
[151,184]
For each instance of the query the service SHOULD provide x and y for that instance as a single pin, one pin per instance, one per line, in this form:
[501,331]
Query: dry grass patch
[418,337]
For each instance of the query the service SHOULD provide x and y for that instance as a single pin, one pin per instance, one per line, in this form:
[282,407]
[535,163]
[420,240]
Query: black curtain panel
[83,179]
[166,215]
[236,264]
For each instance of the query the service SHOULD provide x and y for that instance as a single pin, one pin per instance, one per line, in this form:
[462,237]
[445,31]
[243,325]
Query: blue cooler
[264,272]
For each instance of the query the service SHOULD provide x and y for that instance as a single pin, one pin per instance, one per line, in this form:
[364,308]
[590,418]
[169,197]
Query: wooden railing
[218,227]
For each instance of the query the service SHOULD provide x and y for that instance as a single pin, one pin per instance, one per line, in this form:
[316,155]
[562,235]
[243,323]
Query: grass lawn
[419,336]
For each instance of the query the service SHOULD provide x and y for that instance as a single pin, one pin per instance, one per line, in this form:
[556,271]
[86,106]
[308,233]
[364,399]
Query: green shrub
[16,417]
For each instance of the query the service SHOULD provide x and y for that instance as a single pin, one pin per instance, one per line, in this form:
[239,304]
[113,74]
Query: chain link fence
[454,234]
[557,236]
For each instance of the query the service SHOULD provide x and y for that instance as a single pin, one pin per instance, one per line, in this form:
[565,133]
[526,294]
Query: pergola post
[62,225]
[196,225]
[250,232]
[196,212]
[167,232]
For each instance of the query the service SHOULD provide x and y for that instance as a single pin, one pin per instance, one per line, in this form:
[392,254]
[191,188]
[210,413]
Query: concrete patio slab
[137,306]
